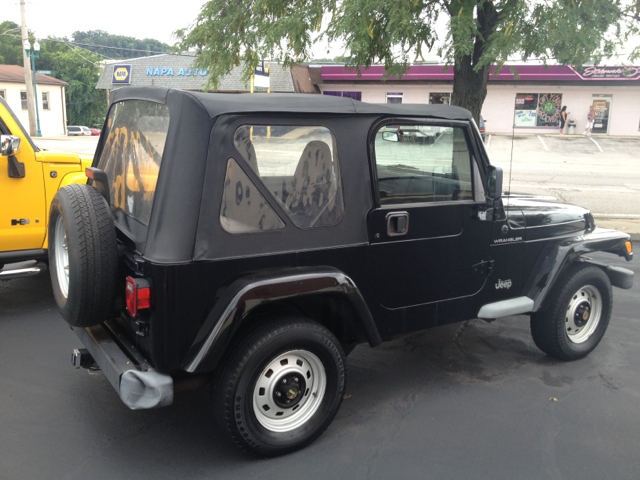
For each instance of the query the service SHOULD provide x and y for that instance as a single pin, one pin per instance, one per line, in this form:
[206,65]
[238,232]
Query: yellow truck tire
[82,255]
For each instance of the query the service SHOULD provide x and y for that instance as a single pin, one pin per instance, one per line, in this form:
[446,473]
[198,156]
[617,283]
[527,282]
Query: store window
[299,166]
[421,163]
[354,95]
[23,100]
[538,109]
[394,97]
[45,100]
[440,98]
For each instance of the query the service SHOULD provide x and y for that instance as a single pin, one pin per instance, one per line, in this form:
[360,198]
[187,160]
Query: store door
[602,106]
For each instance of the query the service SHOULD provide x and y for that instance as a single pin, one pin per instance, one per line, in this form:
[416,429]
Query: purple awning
[435,72]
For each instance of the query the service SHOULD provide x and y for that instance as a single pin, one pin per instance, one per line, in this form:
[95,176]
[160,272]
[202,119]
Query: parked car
[29,179]
[78,131]
[221,248]
[95,131]
[481,128]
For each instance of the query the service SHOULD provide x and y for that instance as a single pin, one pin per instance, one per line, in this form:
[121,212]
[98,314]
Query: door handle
[397,224]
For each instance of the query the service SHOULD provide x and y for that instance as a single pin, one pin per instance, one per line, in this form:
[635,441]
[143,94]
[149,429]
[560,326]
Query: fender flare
[560,255]
[245,294]
[68,179]
[71,178]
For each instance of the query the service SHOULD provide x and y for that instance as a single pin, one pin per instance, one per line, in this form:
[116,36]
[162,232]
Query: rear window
[132,155]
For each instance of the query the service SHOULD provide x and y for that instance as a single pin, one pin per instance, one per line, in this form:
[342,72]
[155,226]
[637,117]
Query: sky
[156,19]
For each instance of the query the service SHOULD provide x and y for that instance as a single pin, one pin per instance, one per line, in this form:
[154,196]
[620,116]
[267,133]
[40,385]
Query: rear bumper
[137,383]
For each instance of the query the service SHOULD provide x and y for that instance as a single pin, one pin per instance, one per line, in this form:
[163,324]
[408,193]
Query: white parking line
[616,215]
[543,144]
[597,145]
[488,145]
[569,187]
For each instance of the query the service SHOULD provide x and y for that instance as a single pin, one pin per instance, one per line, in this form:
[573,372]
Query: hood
[545,217]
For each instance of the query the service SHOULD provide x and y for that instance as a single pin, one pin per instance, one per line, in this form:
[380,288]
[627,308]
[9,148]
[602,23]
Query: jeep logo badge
[503,284]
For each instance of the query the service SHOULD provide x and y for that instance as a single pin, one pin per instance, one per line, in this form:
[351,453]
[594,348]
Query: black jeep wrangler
[254,240]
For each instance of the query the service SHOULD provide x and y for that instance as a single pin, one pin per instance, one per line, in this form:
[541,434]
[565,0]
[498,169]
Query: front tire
[577,316]
[281,387]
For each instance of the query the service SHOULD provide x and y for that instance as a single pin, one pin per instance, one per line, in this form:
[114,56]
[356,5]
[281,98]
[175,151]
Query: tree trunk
[469,85]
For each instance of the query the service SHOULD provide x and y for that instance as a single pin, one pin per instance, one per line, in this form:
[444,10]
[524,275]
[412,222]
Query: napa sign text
[185,72]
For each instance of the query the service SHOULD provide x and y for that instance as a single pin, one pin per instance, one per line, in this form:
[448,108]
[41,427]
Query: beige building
[51,102]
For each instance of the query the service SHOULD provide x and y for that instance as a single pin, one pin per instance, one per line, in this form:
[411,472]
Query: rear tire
[281,386]
[82,255]
[577,316]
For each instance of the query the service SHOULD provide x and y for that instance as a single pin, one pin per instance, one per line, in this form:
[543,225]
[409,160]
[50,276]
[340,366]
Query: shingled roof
[148,71]
[15,74]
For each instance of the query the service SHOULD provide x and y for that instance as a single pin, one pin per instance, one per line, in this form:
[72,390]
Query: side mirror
[9,145]
[494,183]
[390,136]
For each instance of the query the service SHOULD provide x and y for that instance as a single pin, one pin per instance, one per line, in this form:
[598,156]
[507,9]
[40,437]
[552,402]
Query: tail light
[138,295]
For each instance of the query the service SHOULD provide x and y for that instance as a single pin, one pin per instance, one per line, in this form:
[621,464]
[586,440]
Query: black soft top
[194,162]
[216,104]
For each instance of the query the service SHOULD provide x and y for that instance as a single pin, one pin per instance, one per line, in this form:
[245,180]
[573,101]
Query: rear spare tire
[82,255]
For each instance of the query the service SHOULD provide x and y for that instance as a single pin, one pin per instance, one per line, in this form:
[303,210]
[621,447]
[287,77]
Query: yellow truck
[29,178]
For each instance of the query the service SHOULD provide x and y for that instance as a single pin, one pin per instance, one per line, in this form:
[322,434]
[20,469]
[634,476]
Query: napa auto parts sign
[121,74]
[595,72]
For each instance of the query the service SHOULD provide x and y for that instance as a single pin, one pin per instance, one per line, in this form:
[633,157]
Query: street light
[33,56]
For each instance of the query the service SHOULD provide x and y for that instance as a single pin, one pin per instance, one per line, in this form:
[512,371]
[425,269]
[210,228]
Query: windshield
[133,153]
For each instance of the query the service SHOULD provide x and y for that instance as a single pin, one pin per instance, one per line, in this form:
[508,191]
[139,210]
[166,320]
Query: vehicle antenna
[513,130]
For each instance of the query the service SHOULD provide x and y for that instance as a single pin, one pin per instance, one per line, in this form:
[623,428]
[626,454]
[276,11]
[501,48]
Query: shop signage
[183,72]
[261,75]
[594,72]
[44,72]
[121,74]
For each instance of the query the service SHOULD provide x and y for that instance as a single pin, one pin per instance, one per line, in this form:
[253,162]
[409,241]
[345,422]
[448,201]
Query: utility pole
[31,106]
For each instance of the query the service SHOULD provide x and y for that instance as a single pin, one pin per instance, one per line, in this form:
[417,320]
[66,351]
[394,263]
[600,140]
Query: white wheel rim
[583,314]
[62,257]
[301,366]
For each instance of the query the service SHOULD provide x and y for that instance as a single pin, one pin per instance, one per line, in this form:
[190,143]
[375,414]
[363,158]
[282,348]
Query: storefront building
[530,103]
[177,71]
[50,98]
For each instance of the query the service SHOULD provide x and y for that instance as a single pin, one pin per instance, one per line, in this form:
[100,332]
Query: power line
[131,49]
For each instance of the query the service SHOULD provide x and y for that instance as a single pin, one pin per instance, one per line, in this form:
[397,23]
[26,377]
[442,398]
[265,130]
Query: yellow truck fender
[68,179]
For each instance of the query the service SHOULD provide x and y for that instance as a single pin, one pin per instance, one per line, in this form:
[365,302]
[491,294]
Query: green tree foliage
[121,46]
[10,44]
[80,69]
[480,33]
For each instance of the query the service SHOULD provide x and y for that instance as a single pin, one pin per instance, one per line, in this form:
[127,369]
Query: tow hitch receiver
[81,358]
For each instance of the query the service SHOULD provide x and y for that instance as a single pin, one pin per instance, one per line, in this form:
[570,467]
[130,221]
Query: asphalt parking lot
[473,400]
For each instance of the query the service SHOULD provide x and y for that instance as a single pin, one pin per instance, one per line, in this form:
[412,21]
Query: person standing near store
[563,119]
[590,118]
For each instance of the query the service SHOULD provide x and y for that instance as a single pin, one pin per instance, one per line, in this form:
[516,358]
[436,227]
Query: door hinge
[483,268]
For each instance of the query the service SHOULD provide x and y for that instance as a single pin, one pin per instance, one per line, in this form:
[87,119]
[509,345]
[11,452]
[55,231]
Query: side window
[419,163]
[244,209]
[299,166]
[132,154]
